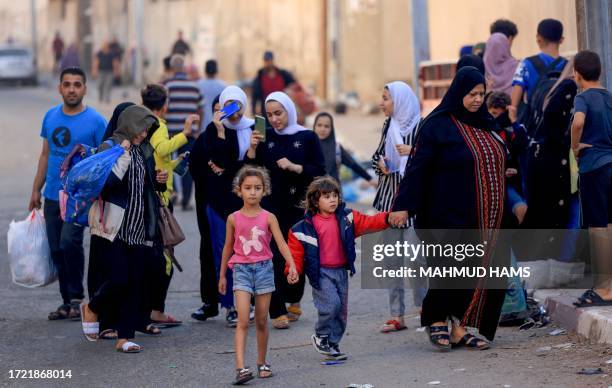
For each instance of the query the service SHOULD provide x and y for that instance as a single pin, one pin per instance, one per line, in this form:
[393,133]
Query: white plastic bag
[28,250]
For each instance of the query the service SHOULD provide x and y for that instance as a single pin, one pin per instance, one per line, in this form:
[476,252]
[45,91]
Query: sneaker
[252,315]
[336,353]
[231,317]
[204,312]
[321,344]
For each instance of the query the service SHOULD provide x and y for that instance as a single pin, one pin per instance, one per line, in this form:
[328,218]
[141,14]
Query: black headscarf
[465,80]
[471,60]
[214,102]
[328,146]
[112,123]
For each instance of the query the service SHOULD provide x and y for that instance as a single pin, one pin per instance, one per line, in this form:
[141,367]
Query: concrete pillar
[84,34]
[420,38]
[33,31]
[138,49]
[334,86]
[594,18]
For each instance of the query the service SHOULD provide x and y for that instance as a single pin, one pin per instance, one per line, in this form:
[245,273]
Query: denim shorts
[256,278]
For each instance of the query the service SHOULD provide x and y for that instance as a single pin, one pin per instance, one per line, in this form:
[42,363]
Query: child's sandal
[392,325]
[264,368]
[243,375]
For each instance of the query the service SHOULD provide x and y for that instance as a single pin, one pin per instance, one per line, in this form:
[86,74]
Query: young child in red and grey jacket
[323,246]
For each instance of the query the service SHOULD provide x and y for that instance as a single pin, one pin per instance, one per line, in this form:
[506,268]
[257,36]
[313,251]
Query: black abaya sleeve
[198,159]
[315,163]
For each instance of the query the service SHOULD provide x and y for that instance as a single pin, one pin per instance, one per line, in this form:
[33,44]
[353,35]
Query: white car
[17,64]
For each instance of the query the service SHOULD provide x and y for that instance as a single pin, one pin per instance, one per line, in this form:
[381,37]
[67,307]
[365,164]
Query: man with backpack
[544,80]
[64,126]
[530,70]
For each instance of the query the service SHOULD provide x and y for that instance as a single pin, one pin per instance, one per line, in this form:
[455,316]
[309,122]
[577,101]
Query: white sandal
[125,348]
[91,330]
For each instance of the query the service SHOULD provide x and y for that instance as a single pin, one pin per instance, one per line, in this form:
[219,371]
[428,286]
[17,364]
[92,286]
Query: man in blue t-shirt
[592,145]
[549,37]
[64,126]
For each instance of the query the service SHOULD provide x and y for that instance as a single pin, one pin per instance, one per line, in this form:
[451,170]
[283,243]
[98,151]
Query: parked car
[17,64]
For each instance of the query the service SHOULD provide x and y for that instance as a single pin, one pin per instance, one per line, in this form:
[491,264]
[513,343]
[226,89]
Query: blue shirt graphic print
[63,131]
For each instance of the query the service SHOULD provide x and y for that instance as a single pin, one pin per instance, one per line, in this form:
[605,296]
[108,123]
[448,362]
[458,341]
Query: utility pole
[138,50]
[334,76]
[34,33]
[84,36]
[420,38]
[594,33]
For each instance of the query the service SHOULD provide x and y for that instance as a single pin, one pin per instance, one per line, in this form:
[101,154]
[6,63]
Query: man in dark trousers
[269,79]
[64,126]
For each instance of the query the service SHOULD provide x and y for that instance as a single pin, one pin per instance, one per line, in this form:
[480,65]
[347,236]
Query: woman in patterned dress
[455,187]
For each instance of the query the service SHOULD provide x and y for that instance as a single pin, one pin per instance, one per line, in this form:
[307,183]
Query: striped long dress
[387,184]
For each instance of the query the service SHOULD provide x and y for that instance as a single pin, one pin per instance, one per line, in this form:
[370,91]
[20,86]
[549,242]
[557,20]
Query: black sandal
[62,312]
[264,368]
[471,342]
[151,329]
[591,298]
[242,376]
[437,334]
[108,334]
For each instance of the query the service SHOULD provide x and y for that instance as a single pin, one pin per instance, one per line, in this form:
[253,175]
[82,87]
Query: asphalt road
[199,354]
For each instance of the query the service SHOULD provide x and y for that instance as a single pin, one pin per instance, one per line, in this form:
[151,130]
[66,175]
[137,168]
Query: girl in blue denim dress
[248,235]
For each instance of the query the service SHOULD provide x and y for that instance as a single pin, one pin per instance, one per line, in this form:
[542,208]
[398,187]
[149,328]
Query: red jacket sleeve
[297,252]
[365,224]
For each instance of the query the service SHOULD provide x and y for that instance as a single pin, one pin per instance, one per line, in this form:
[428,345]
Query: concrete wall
[376,45]
[453,24]
[375,35]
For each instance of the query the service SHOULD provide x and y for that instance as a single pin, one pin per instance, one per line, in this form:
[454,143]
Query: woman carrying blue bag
[123,225]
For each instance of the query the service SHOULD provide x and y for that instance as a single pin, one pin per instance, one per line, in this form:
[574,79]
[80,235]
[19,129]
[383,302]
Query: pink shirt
[331,252]
[252,238]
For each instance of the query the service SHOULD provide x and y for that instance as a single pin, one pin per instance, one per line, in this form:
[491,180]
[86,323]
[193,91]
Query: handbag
[170,229]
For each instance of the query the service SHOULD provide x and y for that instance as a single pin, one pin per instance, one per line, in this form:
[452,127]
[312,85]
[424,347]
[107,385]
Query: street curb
[594,323]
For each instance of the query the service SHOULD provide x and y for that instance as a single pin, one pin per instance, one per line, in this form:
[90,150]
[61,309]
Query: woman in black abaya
[455,186]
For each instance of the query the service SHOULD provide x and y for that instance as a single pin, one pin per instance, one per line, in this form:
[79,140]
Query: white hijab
[243,127]
[292,126]
[405,117]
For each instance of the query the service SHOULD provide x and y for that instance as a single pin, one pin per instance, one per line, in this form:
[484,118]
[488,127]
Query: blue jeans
[66,246]
[331,302]
[397,305]
[217,239]
[254,278]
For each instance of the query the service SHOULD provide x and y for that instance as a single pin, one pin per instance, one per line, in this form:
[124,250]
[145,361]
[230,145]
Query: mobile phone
[229,110]
[181,168]
[260,127]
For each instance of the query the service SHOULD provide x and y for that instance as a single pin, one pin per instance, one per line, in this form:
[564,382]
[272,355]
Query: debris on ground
[558,332]
[565,345]
[591,371]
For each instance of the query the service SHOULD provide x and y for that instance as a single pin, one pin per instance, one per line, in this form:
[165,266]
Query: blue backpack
[84,174]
